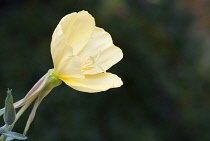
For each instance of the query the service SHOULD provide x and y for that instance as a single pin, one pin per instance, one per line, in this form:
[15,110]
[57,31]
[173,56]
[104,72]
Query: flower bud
[9,114]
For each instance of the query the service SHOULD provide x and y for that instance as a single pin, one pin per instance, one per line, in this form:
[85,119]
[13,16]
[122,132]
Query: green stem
[39,99]
[3,137]
[40,91]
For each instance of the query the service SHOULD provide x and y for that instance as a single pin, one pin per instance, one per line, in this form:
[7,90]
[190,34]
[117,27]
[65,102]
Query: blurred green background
[165,70]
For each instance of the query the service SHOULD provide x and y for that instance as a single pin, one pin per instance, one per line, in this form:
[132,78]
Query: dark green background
[166,91]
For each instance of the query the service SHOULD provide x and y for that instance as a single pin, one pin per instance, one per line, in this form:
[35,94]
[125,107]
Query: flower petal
[110,57]
[94,83]
[59,41]
[59,48]
[99,41]
[105,60]
[77,29]
[69,66]
[101,51]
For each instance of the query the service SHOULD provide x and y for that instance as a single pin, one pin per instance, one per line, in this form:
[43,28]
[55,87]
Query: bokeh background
[165,70]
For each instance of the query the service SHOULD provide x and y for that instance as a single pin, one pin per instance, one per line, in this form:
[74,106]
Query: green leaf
[15,135]
[2,111]
[9,139]
[1,130]
[9,114]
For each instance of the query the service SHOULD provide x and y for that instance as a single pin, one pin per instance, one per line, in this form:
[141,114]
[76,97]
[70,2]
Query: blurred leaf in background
[166,93]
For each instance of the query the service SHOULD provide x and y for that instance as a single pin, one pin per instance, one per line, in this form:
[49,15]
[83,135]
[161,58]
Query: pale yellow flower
[82,53]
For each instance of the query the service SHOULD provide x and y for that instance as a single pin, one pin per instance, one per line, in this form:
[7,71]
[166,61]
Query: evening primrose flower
[82,53]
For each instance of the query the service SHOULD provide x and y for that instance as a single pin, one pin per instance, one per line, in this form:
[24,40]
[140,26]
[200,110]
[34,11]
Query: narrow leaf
[9,139]
[2,111]
[15,135]
[1,130]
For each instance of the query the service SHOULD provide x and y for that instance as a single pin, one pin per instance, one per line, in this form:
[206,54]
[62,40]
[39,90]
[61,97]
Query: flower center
[92,63]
